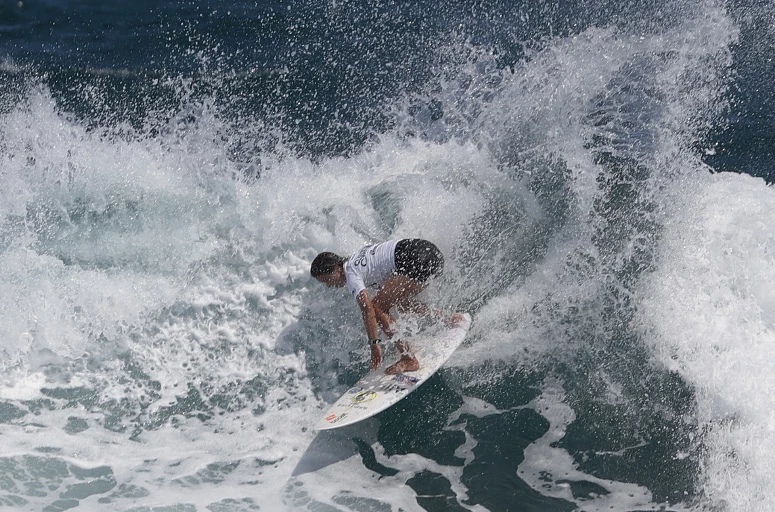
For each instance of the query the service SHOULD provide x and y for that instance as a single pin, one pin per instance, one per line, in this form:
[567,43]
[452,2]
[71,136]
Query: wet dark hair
[325,263]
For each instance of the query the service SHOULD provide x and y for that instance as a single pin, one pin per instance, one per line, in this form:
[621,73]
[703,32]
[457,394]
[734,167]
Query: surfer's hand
[376,356]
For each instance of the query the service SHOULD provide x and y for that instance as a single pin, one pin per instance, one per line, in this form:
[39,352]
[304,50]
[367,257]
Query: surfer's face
[333,280]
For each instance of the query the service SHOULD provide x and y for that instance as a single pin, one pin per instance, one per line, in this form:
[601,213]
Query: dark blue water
[568,131]
[329,71]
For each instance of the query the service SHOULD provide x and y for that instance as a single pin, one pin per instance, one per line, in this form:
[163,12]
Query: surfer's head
[328,268]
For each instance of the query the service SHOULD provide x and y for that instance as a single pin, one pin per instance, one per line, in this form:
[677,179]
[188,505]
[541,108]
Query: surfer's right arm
[370,314]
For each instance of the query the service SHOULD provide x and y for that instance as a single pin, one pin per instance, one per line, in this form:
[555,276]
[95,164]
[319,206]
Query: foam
[177,464]
[547,468]
[711,317]
[201,281]
[201,302]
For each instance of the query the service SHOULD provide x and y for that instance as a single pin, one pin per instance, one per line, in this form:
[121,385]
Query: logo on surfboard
[333,418]
[406,379]
[363,396]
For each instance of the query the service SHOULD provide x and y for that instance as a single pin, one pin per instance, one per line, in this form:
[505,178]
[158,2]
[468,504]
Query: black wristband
[375,341]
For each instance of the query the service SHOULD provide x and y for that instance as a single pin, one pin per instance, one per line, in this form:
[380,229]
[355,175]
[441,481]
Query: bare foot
[405,364]
[454,320]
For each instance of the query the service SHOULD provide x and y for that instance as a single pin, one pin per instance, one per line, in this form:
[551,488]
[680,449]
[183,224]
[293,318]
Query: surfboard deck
[377,391]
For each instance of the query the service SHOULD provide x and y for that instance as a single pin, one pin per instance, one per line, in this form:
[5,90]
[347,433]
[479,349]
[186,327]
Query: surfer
[399,269]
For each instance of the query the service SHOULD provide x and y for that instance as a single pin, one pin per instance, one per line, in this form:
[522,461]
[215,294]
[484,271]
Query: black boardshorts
[418,259]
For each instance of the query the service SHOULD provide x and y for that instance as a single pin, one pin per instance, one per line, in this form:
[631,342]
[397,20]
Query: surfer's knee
[382,304]
[382,315]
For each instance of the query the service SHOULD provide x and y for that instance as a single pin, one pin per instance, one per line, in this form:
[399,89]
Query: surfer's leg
[384,320]
[419,308]
[398,292]
[419,260]
[416,307]
[408,361]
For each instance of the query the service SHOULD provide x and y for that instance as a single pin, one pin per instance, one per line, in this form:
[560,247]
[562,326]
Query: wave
[158,298]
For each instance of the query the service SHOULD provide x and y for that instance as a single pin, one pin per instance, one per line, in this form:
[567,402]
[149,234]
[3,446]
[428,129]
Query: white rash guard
[370,267]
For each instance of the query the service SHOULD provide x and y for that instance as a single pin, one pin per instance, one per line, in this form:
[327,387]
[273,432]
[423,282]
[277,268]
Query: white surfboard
[377,391]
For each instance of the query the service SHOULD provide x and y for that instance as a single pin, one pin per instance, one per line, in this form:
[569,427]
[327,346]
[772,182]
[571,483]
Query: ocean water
[596,174]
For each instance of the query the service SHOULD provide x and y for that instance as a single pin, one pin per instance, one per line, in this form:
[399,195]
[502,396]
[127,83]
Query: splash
[156,266]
